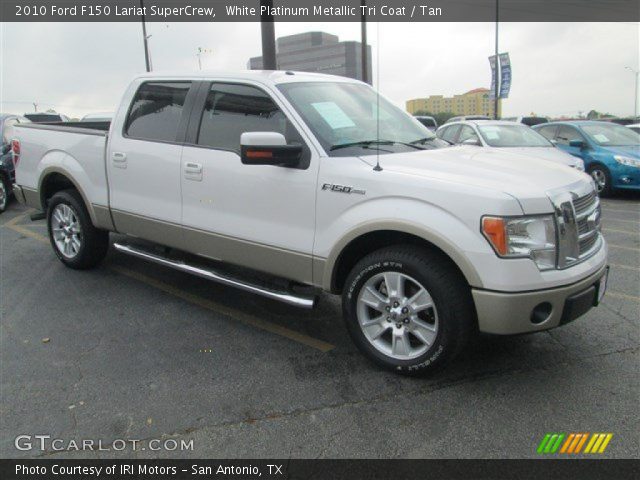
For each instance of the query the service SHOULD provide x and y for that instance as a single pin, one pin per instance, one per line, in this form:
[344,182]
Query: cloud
[558,68]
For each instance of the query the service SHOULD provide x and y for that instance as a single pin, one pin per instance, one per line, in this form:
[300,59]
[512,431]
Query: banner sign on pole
[494,76]
[505,75]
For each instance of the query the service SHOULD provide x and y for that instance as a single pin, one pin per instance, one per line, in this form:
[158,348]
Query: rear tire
[76,242]
[4,193]
[419,322]
[602,178]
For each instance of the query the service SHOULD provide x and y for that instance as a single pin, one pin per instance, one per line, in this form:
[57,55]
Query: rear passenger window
[156,110]
[231,110]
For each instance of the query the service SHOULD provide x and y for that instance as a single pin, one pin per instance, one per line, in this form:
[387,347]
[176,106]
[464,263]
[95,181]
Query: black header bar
[320,10]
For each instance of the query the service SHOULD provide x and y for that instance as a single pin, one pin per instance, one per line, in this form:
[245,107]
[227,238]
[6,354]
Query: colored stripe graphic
[572,443]
[598,443]
[550,443]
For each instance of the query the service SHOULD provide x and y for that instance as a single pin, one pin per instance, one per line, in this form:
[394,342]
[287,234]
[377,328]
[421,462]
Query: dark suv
[7,168]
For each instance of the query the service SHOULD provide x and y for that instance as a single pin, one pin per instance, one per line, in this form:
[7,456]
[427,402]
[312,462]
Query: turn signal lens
[494,229]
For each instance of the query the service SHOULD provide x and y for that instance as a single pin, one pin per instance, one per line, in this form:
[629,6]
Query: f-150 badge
[342,188]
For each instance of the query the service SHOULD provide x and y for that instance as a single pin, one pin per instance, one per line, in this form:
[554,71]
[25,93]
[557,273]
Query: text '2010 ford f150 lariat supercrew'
[315,181]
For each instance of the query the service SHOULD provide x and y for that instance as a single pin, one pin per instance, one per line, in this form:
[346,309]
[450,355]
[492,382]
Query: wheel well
[52,184]
[372,241]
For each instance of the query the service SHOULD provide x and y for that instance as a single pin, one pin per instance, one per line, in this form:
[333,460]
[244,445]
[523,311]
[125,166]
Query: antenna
[377,168]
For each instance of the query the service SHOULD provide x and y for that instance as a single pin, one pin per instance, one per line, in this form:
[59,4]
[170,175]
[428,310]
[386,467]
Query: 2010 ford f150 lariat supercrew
[319,182]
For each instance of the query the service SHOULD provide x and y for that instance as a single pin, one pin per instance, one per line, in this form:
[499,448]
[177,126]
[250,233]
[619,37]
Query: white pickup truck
[317,182]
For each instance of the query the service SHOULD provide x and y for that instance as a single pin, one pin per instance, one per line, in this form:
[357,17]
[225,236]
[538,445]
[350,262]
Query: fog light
[541,313]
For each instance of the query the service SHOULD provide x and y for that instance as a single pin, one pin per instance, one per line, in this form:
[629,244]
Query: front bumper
[504,313]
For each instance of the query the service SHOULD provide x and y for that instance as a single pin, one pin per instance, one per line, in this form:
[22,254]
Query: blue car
[611,152]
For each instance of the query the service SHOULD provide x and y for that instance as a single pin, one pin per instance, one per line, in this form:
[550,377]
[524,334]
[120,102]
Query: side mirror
[576,143]
[472,141]
[268,148]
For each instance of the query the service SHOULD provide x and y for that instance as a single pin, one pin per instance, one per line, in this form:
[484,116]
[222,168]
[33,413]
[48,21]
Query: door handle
[193,168]
[119,159]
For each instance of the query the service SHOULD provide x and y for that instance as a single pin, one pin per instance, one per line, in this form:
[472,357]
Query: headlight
[523,237]
[628,161]
[579,165]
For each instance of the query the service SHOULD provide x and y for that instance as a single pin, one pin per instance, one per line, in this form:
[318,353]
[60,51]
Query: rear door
[143,161]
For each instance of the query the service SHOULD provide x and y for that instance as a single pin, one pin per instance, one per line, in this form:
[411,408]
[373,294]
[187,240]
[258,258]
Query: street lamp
[635,104]
[202,51]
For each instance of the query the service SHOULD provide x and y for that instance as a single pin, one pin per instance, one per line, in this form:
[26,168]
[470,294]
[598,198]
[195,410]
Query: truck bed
[76,149]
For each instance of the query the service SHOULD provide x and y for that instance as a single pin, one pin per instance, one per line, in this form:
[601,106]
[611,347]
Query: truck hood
[526,179]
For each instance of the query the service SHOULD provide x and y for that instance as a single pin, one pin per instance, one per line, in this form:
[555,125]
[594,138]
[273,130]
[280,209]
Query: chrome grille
[588,212]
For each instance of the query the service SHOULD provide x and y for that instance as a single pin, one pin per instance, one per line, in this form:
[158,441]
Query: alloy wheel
[66,231]
[397,315]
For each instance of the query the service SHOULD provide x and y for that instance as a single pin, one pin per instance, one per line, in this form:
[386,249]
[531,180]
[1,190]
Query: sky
[558,68]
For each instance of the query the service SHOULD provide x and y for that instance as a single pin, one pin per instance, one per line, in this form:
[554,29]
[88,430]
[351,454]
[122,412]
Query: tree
[441,117]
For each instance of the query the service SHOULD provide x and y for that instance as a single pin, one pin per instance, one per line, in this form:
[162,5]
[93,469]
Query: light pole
[145,39]
[202,51]
[268,37]
[635,103]
[496,92]
[363,52]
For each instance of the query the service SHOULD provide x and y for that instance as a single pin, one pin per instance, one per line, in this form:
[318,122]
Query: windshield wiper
[369,143]
[424,140]
[362,143]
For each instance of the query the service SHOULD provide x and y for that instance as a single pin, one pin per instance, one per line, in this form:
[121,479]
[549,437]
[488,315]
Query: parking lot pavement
[132,350]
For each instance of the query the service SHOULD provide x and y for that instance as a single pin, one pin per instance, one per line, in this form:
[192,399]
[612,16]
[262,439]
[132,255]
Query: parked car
[7,169]
[611,152]
[529,121]
[46,117]
[98,117]
[467,117]
[285,174]
[428,122]
[512,137]
[635,127]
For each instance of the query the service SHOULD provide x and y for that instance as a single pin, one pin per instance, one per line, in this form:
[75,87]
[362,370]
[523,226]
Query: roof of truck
[264,76]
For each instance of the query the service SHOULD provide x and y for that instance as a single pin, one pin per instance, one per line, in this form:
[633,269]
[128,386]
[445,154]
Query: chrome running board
[210,274]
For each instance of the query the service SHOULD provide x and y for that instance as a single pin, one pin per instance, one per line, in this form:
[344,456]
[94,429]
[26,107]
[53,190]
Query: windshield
[351,119]
[611,135]
[512,136]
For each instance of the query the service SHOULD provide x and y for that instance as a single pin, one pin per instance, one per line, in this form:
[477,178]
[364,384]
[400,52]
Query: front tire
[408,309]
[76,242]
[602,178]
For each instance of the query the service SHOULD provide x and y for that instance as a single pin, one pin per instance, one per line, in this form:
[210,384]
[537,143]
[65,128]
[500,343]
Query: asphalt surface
[136,351]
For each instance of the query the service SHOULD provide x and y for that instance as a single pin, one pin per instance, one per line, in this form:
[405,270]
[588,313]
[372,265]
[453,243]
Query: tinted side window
[566,134]
[547,132]
[467,133]
[156,110]
[449,133]
[231,110]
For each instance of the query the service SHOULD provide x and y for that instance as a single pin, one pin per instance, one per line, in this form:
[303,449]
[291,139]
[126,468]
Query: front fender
[411,216]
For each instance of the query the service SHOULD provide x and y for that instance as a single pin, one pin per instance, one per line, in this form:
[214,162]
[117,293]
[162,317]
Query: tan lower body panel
[275,261]
[510,313]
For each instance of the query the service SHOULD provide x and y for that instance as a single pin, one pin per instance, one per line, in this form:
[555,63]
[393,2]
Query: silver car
[516,138]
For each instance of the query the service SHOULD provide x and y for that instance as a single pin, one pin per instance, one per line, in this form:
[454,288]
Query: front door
[259,216]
